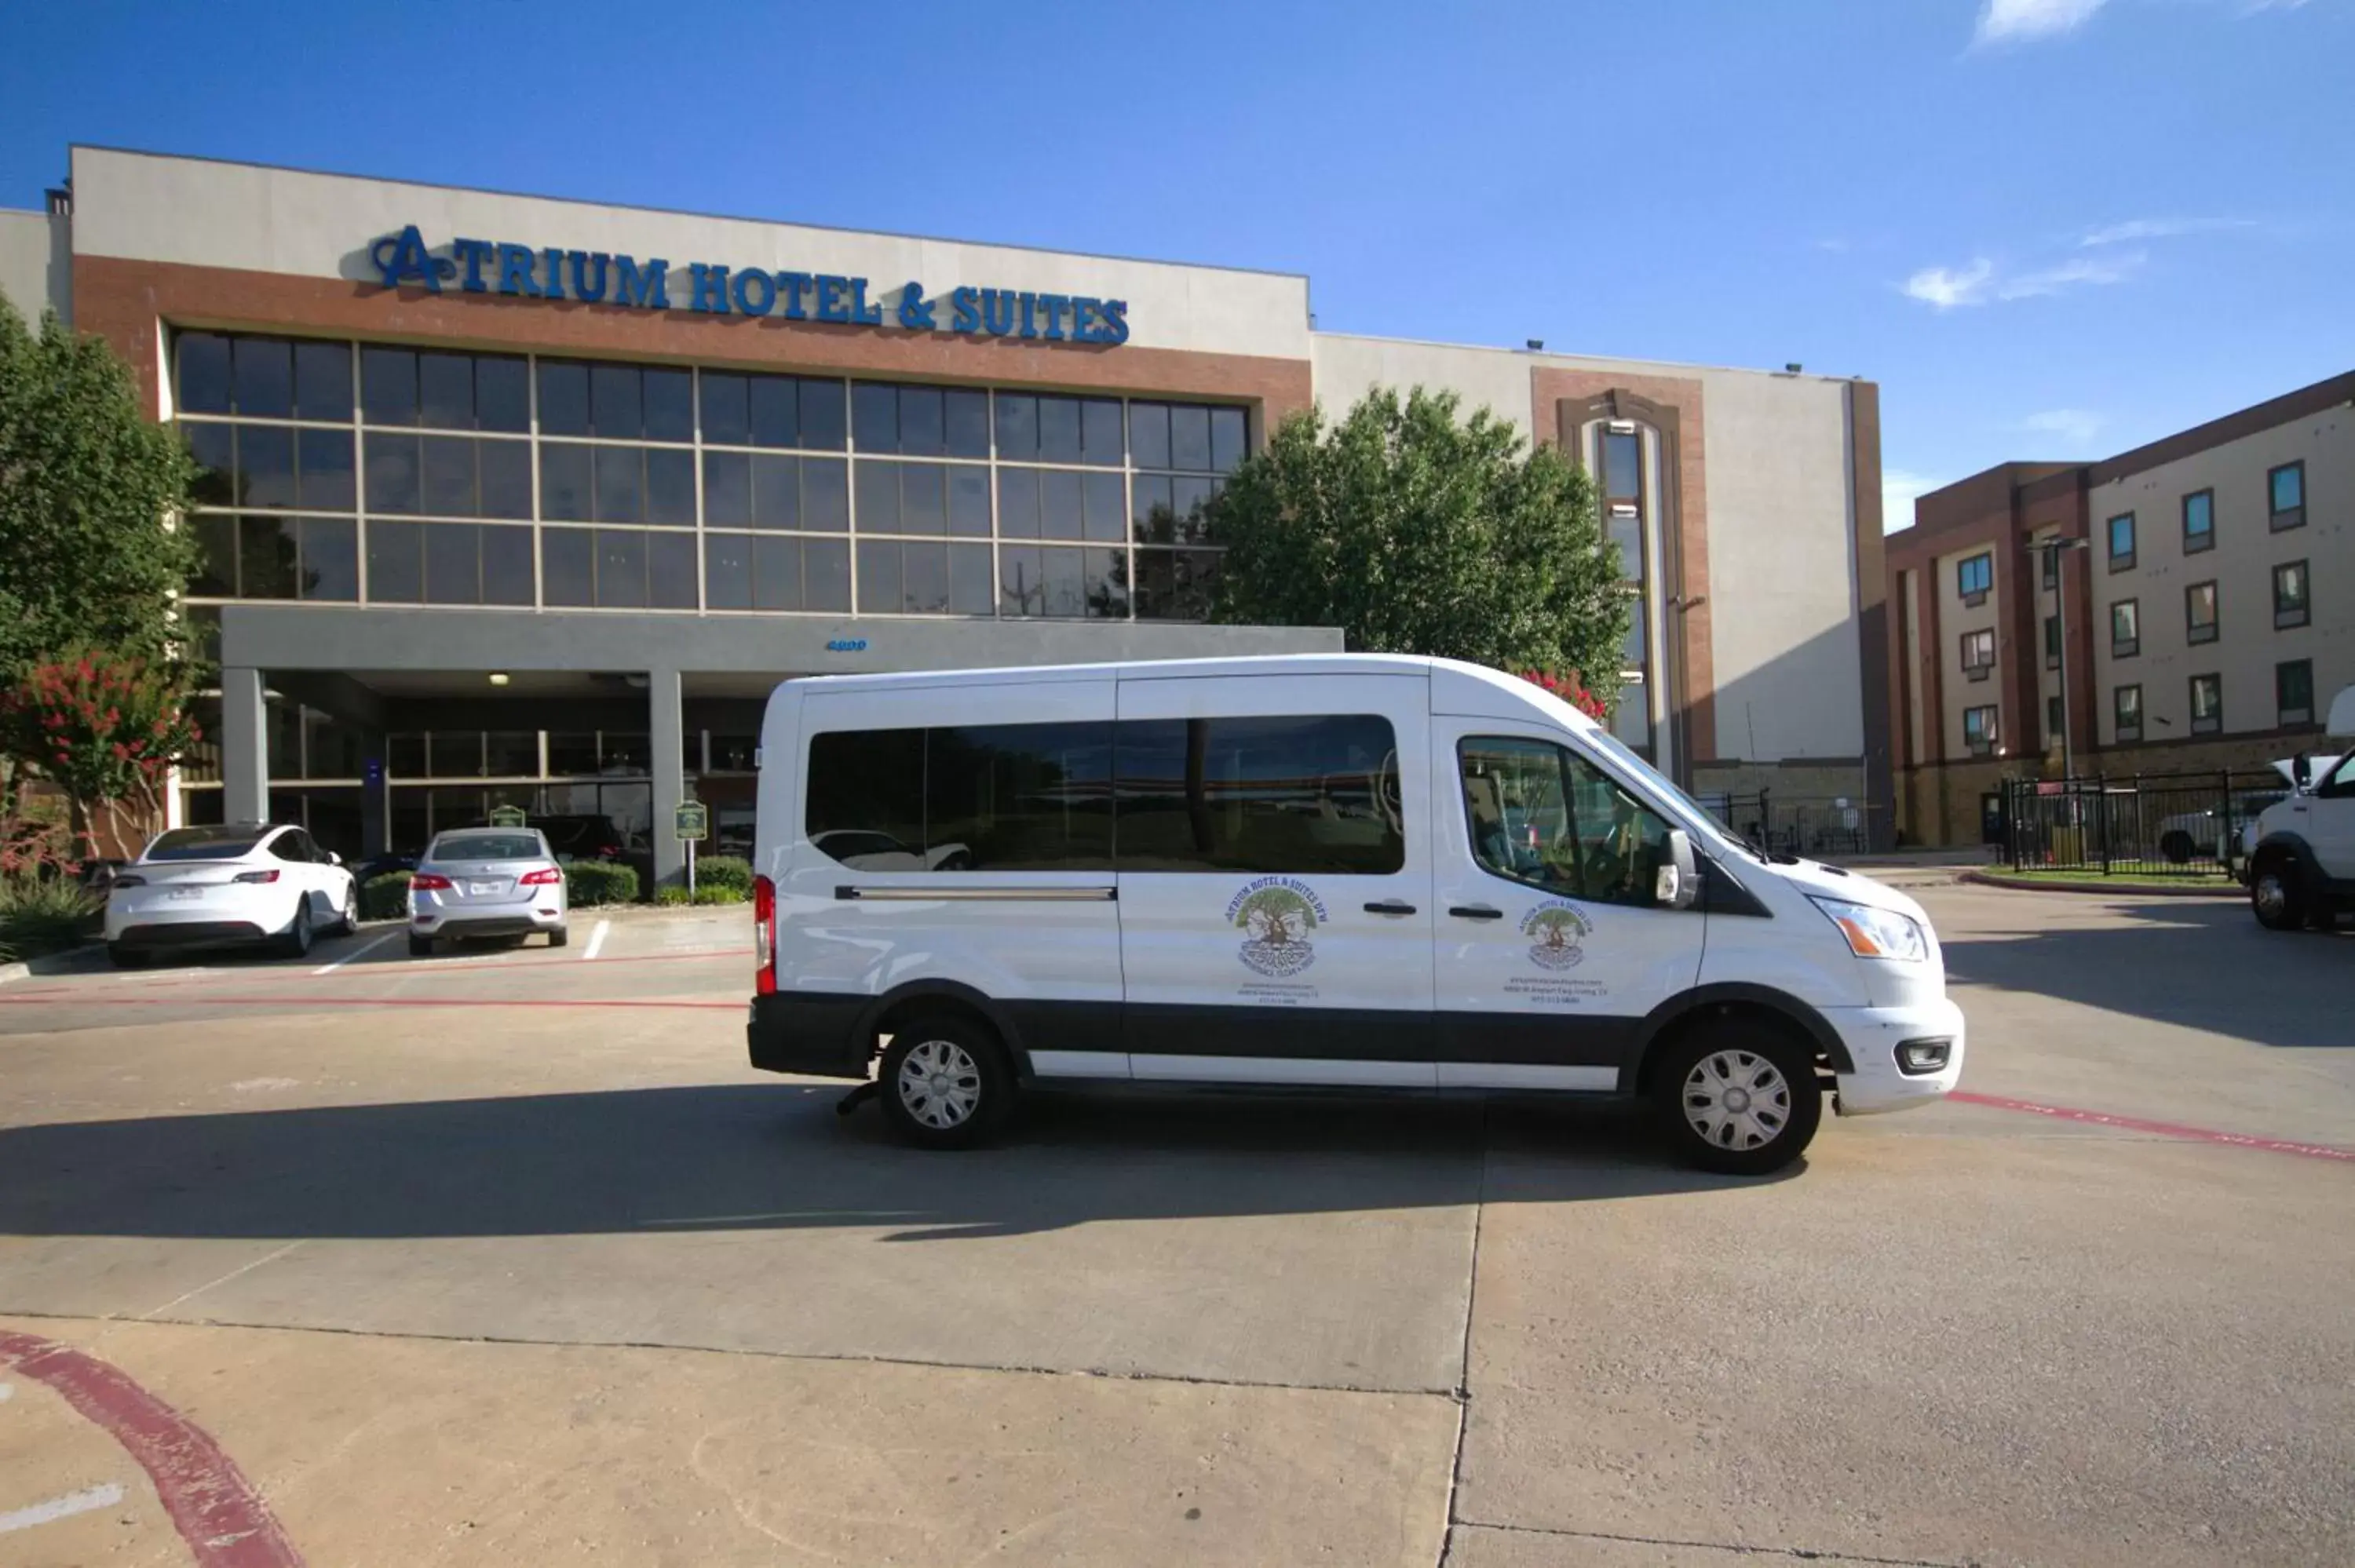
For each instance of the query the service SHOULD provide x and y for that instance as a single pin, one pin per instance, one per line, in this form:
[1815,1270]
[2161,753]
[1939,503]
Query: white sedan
[234,886]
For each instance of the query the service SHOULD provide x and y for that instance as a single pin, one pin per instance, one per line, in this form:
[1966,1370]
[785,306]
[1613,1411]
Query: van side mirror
[2301,769]
[1676,884]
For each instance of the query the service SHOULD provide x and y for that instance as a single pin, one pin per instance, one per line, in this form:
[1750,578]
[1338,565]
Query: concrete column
[666,739]
[245,747]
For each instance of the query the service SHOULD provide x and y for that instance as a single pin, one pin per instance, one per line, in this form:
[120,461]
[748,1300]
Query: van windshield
[1697,817]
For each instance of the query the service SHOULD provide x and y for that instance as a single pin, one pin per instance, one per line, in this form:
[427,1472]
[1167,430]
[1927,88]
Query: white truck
[2302,863]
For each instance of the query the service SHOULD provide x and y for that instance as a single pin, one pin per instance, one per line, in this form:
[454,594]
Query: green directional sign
[507,816]
[693,822]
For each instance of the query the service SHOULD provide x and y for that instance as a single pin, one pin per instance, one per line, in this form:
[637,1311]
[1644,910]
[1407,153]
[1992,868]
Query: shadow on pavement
[737,1158]
[2199,965]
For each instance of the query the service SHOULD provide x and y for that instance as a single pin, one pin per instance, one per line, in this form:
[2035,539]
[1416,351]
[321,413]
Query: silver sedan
[486,882]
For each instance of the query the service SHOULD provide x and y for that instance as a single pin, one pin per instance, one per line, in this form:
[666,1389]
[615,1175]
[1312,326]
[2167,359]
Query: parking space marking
[65,1507]
[2157,1129]
[368,947]
[219,1514]
[596,939]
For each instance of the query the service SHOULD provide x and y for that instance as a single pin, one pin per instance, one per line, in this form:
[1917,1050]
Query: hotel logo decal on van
[1278,912]
[1555,929]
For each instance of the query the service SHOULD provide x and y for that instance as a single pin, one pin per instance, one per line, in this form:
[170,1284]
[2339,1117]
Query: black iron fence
[1812,825]
[2184,824]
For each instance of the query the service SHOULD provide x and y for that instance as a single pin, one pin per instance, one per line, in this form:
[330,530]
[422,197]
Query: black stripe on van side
[1369,1034]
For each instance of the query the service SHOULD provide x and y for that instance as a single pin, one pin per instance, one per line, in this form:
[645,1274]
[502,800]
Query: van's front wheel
[1738,1097]
[946,1082]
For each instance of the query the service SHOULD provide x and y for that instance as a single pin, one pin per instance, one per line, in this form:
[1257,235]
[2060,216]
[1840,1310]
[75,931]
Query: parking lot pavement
[505,1256]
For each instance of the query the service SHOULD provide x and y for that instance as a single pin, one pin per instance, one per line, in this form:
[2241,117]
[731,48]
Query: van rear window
[1310,793]
[1033,797]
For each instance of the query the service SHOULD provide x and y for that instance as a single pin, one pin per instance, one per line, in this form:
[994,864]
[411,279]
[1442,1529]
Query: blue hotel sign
[598,277]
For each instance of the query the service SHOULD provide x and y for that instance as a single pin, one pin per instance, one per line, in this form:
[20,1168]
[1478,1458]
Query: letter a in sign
[404,256]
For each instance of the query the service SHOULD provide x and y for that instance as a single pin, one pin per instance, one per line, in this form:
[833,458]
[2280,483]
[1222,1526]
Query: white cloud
[2160,228]
[2074,427]
[1946,287]
[2094,270]
[2020,21]
[1899,486]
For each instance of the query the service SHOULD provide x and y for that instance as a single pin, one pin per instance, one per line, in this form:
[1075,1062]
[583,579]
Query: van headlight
[1874,933]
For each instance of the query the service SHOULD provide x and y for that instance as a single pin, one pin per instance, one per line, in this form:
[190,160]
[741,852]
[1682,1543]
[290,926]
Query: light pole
[2051,550]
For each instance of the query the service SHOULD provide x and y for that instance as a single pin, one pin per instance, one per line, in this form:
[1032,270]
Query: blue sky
[2049,228]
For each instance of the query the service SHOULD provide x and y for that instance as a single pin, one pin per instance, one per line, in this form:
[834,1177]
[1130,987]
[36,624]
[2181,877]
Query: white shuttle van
[1356,871]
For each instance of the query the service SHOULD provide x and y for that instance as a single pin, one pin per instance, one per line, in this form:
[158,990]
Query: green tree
[1416,531]
[86,484]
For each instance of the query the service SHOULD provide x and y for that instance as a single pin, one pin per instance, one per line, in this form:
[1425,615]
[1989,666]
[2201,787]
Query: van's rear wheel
[1738,1096]
[946,1082]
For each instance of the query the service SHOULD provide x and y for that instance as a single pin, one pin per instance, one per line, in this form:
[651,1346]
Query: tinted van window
[988,797]
[1312,793]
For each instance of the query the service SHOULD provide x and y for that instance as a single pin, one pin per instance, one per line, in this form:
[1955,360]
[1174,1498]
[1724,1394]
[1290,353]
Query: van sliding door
[1275,878]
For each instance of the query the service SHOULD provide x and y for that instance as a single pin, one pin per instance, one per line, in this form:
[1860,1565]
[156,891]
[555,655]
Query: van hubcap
[1737,1099]
[2272,897]
[940,1083]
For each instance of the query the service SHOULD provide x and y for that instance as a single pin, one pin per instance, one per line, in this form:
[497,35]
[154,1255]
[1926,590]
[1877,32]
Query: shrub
[724,871]
[590,883]
[670,895]
[44,915]
[723,893]
[385,897]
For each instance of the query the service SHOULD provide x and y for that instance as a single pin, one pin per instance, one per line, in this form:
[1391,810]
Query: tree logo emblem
[1555,928]
[1276,913]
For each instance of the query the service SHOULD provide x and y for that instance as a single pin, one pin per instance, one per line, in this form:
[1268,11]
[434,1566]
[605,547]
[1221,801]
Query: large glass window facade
[371,473]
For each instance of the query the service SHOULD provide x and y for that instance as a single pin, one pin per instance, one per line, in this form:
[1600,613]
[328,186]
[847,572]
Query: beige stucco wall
[1781,568]
[1348,367]
[147,207]
[1958,692]
[2247,647]
[36,272]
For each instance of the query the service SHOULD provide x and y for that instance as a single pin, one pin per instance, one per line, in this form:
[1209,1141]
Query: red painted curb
[345,1001]
[2160,1128]
[216,1509]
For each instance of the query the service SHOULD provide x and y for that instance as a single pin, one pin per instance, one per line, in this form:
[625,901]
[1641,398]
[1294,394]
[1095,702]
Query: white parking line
[367,947]
[65,1507]
[596,938]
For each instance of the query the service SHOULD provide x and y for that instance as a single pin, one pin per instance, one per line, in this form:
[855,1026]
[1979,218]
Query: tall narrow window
[2122,542]
[2125,630]
[2126,713]
[2053,642]
[2286,496]
[2290,606]
[2198,522]
[2199,613]
[2206,703]
[2293,691]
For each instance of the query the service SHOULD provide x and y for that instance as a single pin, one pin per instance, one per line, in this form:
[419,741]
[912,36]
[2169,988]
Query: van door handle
[1390,906]
[1475,911]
